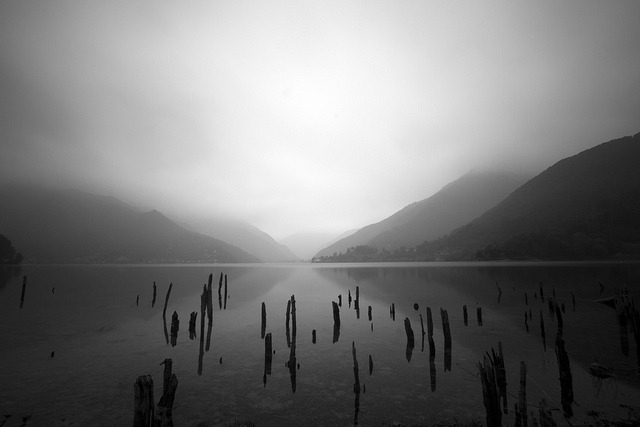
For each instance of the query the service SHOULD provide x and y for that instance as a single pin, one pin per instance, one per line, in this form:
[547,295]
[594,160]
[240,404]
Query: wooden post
[542,334]
[526,323]
[447,339]
[192,324]
[429,323]
[225,291]
[369,311]
[432,363]
[410,339]
[526,299]
[465,317]
[501,375]
[313,336]
[268,357]
[166,301]
[522,395]
[566,379]
[349,298]
[264,320]
[24,286]
[370,365]
[175,327]
[220,291]
[153,301]
[490,393]
[164,414]
[336,313]
[573,301]
[138,300]
[203,307]
[479,315]
[210,300]
[393,311]
[287,324]
[421,324]
[356,384]
[340,300]
[143,405]
[291,364]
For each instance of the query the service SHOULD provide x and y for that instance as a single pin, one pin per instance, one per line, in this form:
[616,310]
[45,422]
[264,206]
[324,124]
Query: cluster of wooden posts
[491,369]
[145,415]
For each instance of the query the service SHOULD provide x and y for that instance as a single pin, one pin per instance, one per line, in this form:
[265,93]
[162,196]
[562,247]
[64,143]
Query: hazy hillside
[71,226]
[306,245]
[454,205]
[584,206]
[247,237]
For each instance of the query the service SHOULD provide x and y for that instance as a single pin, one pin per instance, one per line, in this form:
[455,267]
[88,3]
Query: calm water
[103,342]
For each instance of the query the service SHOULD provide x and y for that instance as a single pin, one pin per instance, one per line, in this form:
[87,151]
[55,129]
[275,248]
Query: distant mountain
[585,206]
[65,226]
[306,245]
[247,237]
[454,205]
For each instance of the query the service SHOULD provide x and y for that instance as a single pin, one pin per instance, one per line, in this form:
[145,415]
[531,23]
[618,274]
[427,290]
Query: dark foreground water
[103,341]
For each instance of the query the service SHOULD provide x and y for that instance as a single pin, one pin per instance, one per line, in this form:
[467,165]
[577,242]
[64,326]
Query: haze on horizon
[306,116]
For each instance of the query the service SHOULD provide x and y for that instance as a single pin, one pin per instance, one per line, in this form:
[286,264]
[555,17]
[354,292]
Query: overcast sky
[300,116]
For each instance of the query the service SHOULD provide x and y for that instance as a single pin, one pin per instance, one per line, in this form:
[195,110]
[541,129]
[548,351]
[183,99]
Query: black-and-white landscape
[319,213]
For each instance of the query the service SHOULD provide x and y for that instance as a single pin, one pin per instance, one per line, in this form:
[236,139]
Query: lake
[102,341]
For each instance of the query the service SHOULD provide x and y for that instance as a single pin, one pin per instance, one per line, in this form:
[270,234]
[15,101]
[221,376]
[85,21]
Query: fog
[306,116]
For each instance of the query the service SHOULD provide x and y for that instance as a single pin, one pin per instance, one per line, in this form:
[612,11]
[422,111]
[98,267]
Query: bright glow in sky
[297,116]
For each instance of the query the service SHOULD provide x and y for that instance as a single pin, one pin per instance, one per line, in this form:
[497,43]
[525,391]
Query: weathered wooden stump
[210,300]
[340,300]
[410,339]
[546,418]
[356,384]
[573,301]
[349,298]
[138,300]
[490,395]
[313,336]
[192,324]
[422,324]
[392,311]
[479,315]
[566,379]
[24,287]
[153,300]
[164,412]
[225,292]
[143,402]
[369,312]
[446,331]
[370,365]
[175,327]
[432,363]
[268,355]
[465,316]
[336,313]
[263,326]
[521,407]
[429,322]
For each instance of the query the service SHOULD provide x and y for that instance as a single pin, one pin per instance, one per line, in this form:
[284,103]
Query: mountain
[66,226]
[583,207]
[306,245]
[247,237]
[454,205]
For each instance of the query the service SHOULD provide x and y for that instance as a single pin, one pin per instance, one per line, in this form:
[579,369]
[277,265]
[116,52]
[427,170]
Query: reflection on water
[88,317]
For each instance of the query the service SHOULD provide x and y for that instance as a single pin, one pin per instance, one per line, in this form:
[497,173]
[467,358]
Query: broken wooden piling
[209,300]
[490,395]
[421,324]
[479,315]
[410,338]
[340,300]
[143,402]
[336,313]
[465,317]
[432,363]
[225,292]
[263,326]
[138,300]
[446,331]
[369,313]
[153,300]
[192,324]
[166,301]
[542,334]
[24,286]
[268,357]
[164,412]
[370,365]
[291,364]
[392,311]
[356,384]
[313,336]
[429,322]
[521,407]
[566,379]
[203,308]
[175,327]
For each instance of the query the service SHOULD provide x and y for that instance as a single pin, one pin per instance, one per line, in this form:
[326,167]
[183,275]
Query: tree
[8,254]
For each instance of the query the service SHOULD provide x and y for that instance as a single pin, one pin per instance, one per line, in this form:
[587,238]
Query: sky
[297,116]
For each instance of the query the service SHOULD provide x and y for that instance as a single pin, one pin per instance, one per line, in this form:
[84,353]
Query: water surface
[102,341]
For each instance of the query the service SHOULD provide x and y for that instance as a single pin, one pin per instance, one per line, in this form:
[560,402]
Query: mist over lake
[102,340]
